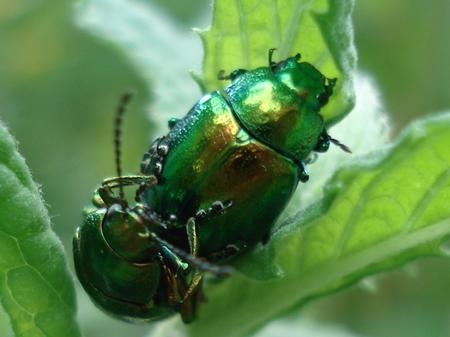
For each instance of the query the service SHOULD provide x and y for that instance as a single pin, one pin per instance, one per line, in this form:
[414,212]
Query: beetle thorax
[273,113]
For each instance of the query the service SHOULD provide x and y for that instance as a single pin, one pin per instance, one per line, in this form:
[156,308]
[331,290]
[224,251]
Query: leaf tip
[199,80]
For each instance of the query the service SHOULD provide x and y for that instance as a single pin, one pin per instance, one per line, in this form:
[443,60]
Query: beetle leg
[172,289]
[139,191]
[192,296]
[271,51]
[272,64]
[182,294]
[228,252]
[153,160]
[192,229]
[232,76]
[172,122]
[190,299]
[191,260]
[216,208]
[194,284]
[176,264]
[175,272]
[104,197]
[302,173]
[129,180]
[184,283]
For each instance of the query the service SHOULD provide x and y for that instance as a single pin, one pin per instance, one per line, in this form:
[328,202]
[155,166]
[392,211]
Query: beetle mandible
[211,188]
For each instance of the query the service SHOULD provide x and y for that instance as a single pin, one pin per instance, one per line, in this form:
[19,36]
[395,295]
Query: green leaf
[154,52]
[385,210]
[301,327]
[242,31]
[35,287]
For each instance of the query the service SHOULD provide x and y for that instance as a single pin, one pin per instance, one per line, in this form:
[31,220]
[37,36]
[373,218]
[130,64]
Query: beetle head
[311,86]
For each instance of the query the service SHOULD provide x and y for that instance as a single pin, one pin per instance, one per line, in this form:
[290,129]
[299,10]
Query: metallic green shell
[120,287]
[212,157]
[274,113]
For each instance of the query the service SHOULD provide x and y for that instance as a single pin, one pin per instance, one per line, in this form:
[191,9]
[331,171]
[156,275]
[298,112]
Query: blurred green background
[59,86]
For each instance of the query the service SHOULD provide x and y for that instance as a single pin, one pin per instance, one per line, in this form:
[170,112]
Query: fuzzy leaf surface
[36,289]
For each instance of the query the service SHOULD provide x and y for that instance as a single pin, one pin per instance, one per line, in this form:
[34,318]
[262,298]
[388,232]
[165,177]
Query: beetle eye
[323,98]
[322,145]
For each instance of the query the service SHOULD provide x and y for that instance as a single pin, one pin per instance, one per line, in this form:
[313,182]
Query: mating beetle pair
[209,189]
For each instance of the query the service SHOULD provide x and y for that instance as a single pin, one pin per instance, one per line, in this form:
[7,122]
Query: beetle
[208,190]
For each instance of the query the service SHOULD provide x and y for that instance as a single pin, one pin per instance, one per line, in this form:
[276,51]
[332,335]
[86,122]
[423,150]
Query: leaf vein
[427,198]
[277,25]
[293,27]
[359,206]
[243,33]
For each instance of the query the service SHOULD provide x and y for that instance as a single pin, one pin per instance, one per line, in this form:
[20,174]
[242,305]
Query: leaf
[385,210]
[41,104]
[242,31]
[156,53]
[303,328]
[35,287]
[289,326]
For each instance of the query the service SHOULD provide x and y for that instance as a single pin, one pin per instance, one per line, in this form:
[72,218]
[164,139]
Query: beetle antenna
[196,262]
[342,146]
[124,100]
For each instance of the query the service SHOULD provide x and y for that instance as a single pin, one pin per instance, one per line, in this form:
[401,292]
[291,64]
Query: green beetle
[247,145]
[209,189]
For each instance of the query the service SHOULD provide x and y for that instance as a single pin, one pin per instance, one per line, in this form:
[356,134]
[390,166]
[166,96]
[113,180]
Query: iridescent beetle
[209,189]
